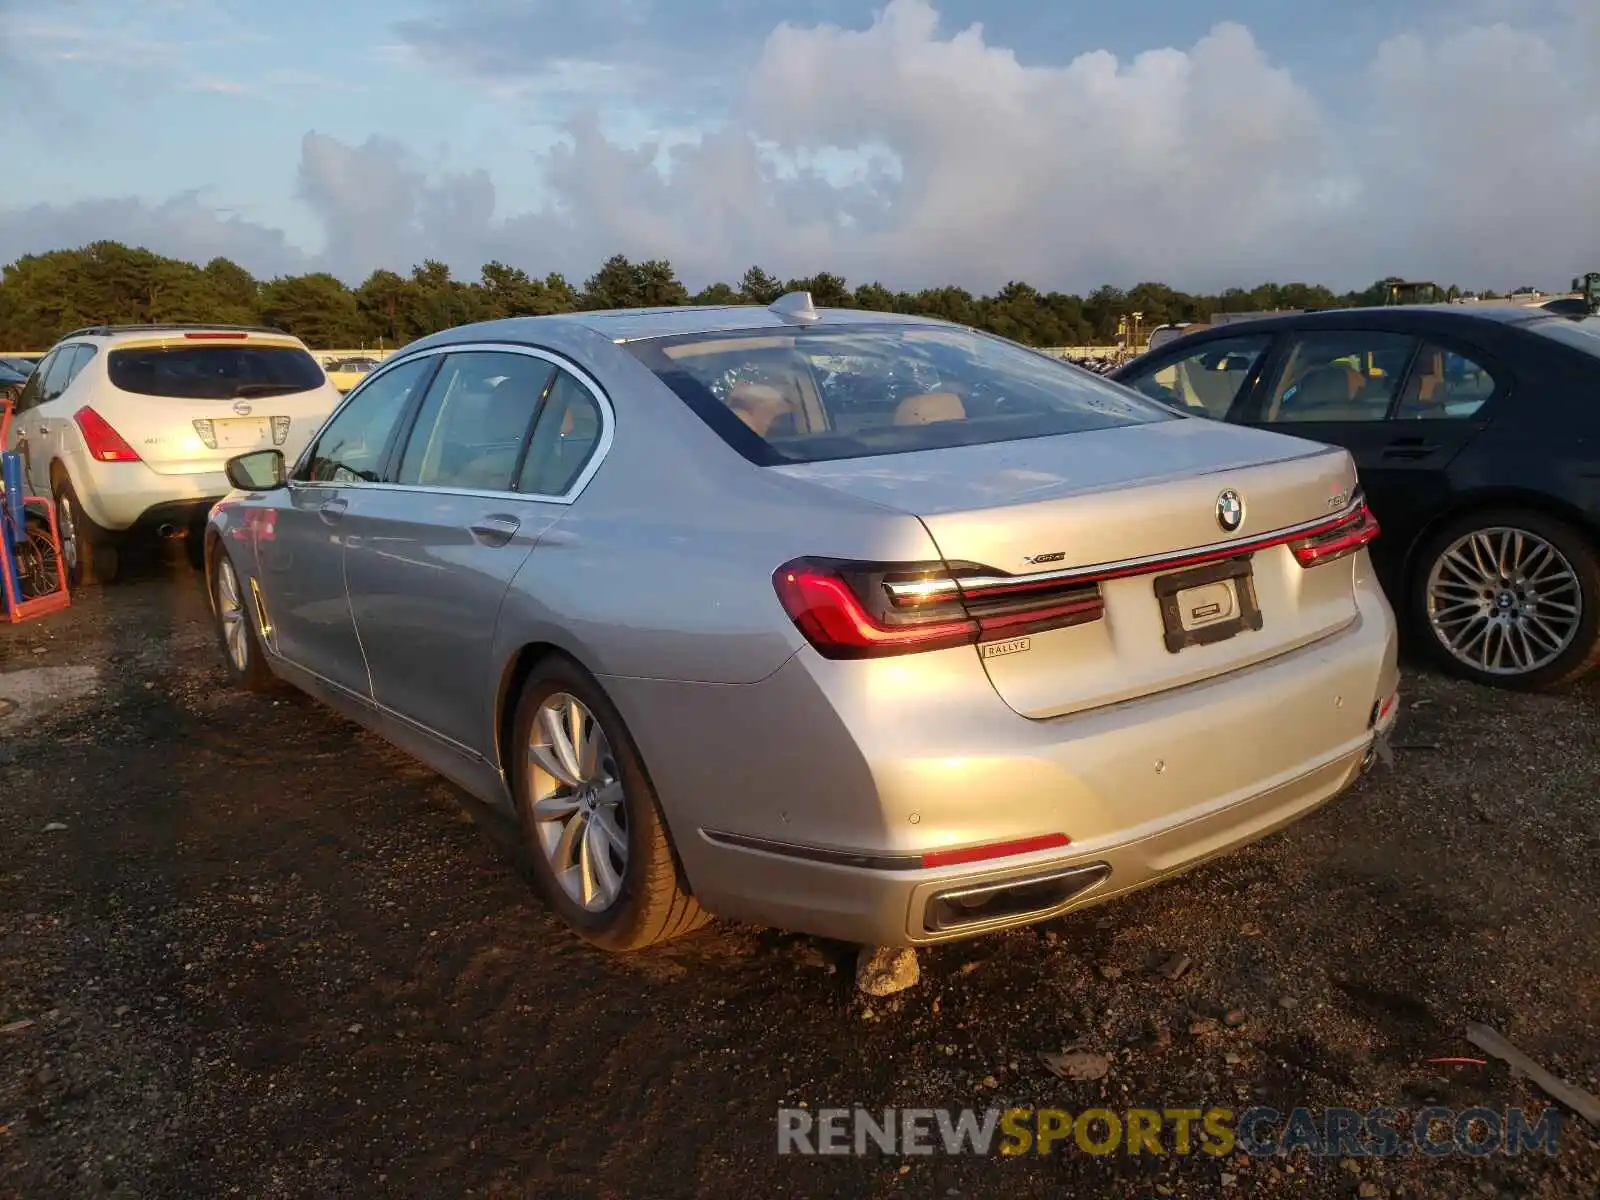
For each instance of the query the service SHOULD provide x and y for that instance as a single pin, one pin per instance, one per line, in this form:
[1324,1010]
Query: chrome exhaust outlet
[168,530]
[1007,899]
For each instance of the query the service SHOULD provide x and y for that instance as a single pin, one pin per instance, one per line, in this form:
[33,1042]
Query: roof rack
[108,330]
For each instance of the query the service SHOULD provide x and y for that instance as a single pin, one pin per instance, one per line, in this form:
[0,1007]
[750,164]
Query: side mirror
[258,471]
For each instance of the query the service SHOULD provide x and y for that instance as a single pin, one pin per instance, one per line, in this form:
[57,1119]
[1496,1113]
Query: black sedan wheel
[1511,599]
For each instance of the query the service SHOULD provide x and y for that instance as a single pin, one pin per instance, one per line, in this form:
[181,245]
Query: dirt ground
[264,955]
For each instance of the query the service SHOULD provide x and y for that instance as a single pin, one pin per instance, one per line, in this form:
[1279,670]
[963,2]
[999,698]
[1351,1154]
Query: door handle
[495,530]
[331,510]
[1409,447]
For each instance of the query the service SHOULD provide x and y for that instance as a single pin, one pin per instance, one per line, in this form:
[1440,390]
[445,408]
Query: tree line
[43,296]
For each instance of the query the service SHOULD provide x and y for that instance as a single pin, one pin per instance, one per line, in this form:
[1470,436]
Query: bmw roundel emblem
[1230,510]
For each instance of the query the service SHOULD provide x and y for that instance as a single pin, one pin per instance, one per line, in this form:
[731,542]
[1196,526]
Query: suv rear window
[214,372]
[831,392]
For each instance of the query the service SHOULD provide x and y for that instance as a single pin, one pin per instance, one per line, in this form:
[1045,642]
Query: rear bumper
[130,497]
[880,907]
[829,756]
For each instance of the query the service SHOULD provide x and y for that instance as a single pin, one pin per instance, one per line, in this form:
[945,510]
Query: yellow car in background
[345,373]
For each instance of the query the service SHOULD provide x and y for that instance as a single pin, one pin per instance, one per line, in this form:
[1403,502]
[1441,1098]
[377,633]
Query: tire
[90,551]
[242,654]
[1560,570]
[650,902]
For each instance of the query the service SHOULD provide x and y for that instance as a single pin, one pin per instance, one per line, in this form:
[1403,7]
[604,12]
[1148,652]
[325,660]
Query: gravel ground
[265,955]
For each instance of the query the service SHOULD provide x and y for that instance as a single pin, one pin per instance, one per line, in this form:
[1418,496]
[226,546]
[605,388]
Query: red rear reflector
[218,335]
[972,854]
[1348,536]
[104,443]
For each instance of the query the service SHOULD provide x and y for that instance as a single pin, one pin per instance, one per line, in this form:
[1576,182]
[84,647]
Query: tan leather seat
[1430,383]
[928,408]
[758,405]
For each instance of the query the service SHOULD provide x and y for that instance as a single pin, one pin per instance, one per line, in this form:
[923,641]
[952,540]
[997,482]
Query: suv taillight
[104,443]
[871,610]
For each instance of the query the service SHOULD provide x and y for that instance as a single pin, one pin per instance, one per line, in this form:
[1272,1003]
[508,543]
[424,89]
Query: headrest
[929,408]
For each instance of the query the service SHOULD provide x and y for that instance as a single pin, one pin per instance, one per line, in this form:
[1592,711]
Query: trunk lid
[1128,511]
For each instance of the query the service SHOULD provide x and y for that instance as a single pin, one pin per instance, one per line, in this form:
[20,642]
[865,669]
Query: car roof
[157,330]
[642,324]
[1400,317]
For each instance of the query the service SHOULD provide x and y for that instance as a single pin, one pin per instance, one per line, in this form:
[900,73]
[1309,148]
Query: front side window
[33,390]
[1339,376]
[352,446]
[471,426]
[1444,385]
[1208,380]
[205,371]
[563,441]
[833,392]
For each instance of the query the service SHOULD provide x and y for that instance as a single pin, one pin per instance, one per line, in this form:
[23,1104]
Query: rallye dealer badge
[1014,646]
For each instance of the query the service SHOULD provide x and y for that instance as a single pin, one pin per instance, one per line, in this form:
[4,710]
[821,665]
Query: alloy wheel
[1504,601]
[579,817]
[230,611]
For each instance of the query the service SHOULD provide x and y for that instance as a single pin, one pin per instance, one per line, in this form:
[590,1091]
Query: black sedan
[1476,432]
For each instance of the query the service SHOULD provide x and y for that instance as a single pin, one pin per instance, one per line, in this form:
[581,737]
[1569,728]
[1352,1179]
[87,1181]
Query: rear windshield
[214,372]
[1581,334]
[834,392]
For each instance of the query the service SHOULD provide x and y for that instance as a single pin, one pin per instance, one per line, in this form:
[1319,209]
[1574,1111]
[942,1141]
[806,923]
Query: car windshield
[214,372]
[833,392]
[1582,333]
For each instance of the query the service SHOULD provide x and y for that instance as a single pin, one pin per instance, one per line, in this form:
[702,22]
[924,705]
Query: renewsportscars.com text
[1331,1132]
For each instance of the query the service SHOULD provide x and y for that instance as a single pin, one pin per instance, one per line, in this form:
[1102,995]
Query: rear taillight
[1344,537]
[280,430]
[871,610]
[217,335]
[206,431]
[104,443]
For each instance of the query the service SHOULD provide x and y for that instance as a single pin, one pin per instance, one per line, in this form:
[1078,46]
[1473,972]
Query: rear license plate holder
[1233,574]
[240,433]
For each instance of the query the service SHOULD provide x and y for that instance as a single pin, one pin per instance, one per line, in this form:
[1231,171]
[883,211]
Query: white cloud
[919,156]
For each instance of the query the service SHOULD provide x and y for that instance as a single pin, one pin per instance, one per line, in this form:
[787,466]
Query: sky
[1069,143]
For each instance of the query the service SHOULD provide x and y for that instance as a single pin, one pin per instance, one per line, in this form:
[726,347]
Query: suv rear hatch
[1101,566]
[191,400]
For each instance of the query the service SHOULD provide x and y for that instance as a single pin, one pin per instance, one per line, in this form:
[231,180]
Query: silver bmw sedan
[868,626]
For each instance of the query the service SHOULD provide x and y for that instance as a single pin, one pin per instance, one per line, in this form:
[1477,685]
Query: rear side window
[1338,375]
[1444,385]
[59,375]
[470,429]
[564,440]
[205,372]
[832,392]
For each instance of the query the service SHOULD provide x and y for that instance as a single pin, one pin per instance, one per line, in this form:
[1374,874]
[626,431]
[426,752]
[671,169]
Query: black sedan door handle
[1409,447]
[496,530]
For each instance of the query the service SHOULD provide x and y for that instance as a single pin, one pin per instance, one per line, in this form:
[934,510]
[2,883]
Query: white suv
[127,427]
